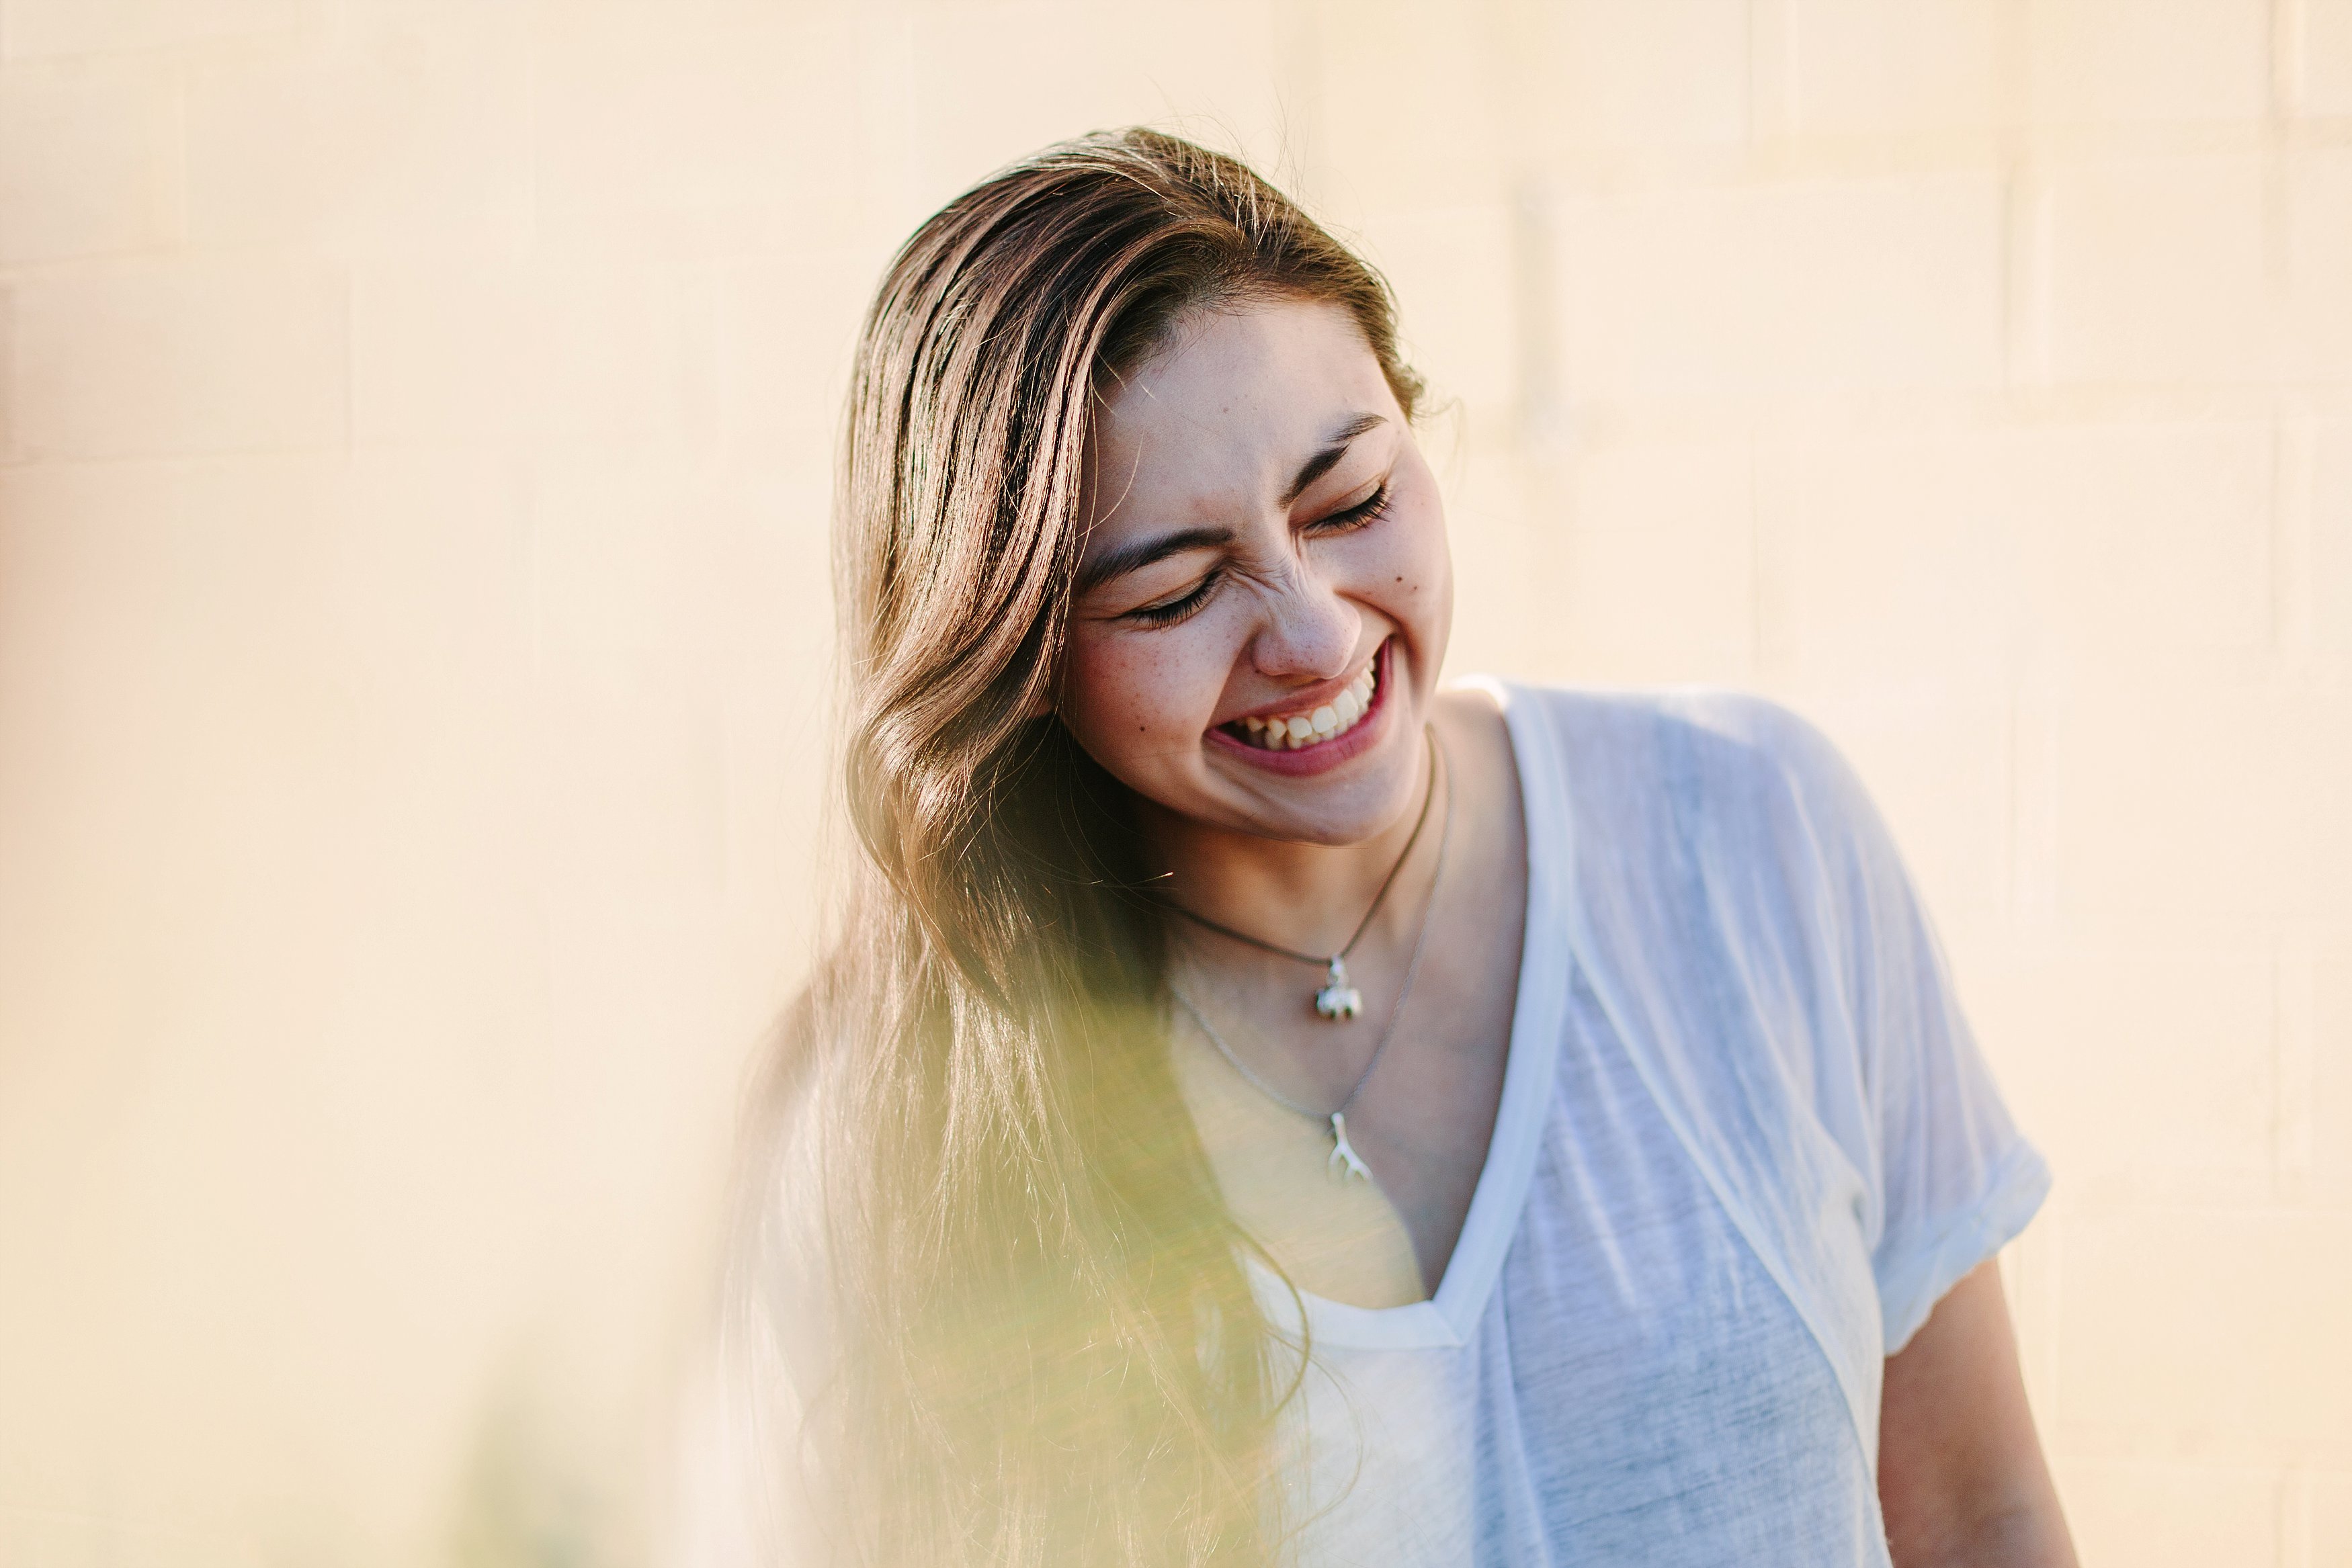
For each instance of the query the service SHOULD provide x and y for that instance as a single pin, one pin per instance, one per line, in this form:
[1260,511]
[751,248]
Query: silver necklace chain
[1336,962]
[1344,1160]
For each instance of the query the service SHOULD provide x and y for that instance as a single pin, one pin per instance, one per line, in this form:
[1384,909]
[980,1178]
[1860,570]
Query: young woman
[1261,1106]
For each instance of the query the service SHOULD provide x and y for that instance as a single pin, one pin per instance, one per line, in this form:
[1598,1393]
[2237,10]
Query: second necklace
[1337,1000]
[1343,1160]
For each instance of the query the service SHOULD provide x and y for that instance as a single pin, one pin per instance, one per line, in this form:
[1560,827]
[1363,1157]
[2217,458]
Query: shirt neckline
[1531,1063]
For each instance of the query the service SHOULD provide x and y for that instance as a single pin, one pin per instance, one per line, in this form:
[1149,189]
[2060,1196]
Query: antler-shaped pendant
[1345,1161]
[1337,1000]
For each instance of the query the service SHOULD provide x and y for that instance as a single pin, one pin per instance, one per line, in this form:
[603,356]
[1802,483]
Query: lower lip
[1329,754]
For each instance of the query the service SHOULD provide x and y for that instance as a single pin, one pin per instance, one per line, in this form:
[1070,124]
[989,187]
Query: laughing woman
[1261,1106]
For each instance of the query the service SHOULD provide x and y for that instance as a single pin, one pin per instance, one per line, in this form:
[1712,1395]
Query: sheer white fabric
[1746,1143]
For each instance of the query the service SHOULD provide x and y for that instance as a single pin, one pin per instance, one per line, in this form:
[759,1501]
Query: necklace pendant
[1345,1161]
[1337,1000]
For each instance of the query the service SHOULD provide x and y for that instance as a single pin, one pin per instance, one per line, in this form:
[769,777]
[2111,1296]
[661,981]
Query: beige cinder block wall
[412,630]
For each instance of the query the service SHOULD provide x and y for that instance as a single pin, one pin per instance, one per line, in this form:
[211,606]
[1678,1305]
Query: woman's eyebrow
[1121,560]
[1335,448]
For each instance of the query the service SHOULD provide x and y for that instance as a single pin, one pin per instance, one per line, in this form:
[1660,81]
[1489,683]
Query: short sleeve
[1952,1179]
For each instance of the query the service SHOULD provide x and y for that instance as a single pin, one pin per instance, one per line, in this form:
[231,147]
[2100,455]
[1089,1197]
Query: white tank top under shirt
[1745,1143]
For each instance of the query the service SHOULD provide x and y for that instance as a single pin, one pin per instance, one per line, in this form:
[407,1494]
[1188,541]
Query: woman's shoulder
[1681,744]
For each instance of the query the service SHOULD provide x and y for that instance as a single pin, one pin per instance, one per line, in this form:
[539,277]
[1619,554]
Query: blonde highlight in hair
[1042,1343]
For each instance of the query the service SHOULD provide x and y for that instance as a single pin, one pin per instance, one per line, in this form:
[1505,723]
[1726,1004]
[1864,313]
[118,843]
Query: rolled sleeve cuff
[1912,1283]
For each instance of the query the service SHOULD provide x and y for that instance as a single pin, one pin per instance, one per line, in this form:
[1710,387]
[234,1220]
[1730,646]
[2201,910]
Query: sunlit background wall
[414,633]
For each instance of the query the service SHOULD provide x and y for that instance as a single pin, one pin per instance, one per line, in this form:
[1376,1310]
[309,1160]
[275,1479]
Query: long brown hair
[1041,1342]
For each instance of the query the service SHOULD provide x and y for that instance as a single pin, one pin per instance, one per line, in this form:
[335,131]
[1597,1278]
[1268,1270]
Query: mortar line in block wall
[2278,243]
[1542,415]
[2025,277]
[2288,30]
[2054,1309]
[1754,557]
[533,90]
[178,220]
[2294,1062]
[1773,111]
[1298,87]
[2013,72]
[2295,1518]
[2034,761]
[2294,443]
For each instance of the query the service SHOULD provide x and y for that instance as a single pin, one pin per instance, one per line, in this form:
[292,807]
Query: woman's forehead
[1228,411]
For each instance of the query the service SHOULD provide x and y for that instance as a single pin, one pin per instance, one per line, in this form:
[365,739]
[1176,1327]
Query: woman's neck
[1308,897]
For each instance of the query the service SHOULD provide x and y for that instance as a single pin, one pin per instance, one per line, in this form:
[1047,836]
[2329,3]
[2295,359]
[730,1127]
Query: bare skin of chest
[1423,1120]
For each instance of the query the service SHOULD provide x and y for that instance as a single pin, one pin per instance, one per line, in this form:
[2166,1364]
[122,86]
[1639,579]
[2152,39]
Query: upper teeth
[1292,732]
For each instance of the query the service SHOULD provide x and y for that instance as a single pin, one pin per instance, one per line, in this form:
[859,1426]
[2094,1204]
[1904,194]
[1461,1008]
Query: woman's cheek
[1420,569]
[1111,703]
[1172,682]
[1089,694]
[1397,573]
[1141,702]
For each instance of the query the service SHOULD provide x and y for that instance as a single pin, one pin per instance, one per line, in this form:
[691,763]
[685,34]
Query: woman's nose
[1311,630]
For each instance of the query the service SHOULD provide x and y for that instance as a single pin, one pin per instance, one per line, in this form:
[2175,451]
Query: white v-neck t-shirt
[1745,1143]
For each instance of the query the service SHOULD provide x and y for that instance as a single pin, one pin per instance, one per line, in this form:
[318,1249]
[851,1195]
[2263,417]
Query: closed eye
[1169,611]
[1363,513]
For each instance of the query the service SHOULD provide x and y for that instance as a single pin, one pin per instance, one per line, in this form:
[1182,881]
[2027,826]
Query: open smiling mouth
[1314,726]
